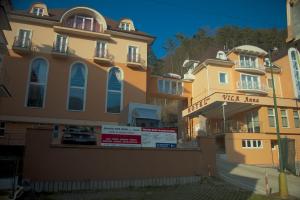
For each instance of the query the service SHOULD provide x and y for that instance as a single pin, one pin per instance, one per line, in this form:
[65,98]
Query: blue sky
[165,18]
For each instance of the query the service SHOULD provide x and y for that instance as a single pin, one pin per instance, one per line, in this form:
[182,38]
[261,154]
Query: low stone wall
[74,167]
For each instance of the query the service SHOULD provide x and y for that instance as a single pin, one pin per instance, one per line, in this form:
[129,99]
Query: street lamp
[283,188]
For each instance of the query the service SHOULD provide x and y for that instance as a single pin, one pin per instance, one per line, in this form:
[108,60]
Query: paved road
[253,177]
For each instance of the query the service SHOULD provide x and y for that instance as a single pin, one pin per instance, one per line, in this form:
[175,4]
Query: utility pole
[283,187]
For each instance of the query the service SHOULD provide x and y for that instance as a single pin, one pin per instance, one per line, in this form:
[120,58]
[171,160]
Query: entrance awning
[211,106]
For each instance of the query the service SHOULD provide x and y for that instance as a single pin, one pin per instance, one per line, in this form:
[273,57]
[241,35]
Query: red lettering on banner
[120,139]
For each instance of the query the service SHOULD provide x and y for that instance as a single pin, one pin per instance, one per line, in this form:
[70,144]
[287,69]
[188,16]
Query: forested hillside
[202,43]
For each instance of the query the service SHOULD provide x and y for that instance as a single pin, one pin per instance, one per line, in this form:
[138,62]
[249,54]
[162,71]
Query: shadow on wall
[45,162]
[134,86]
[230,171]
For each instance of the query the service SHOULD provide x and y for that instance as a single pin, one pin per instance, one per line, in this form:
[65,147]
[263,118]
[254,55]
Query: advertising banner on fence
[159,137]
[124,136]
[127,136]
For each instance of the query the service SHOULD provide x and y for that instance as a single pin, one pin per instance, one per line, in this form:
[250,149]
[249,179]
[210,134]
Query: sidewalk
[253,178]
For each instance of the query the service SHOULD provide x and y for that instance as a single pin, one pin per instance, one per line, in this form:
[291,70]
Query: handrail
[257,67]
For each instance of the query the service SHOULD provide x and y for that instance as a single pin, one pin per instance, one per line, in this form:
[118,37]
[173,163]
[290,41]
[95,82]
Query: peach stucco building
[232,94]
[72,67]
[232,99]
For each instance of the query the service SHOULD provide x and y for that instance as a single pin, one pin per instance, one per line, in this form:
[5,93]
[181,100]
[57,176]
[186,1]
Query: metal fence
[289,156]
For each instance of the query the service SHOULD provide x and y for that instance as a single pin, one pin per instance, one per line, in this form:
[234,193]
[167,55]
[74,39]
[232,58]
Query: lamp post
[283,188]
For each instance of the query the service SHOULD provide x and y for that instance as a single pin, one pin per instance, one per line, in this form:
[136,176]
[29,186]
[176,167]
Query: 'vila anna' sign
[224,97]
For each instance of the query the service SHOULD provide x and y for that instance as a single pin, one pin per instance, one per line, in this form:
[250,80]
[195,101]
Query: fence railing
[134,58]
[234,126]
[103,53]
[21,42]
[95,27]
[240,65]
[246,85]
[57,48]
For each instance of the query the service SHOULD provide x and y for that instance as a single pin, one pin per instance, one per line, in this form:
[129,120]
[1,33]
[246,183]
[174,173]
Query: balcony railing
[22,44]
[234,126]
[59,50]
[252,87]
[103,56]
[95,27]
[254,68]
[134,58]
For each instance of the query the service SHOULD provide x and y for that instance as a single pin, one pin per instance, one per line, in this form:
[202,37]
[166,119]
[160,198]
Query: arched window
[114,91]
[37,83]
[295,68]
[77,87]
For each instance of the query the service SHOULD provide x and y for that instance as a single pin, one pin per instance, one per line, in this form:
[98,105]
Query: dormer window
[82,22]
[38,11]
[221,55]
[125,26]
[248,61]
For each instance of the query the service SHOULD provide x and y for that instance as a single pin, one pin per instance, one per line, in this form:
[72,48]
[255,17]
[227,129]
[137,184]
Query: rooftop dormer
[249,50]
[248,59]
[126,25]
[39,9]
[84,18]
[83,21]
[221,55]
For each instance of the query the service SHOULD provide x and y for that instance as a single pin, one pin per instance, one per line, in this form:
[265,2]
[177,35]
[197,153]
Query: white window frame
[2,128]
[252,141]
[29,83]
[273,115]
[104,49]
[83,22]
[23,39]
[161,90]
[250,56]
[60,45]
[298,117]
[40,11]
[121,91]
[77,87]
[252,76]
[182,88]
[286,115]
[132,58]
[270,85]
[170,91]
[125,26]
[226,78]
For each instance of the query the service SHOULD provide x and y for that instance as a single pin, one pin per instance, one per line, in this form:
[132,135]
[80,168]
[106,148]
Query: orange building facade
[71,68]
[232,94]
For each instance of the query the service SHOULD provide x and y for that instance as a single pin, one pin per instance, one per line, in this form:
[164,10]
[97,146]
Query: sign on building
[126,136]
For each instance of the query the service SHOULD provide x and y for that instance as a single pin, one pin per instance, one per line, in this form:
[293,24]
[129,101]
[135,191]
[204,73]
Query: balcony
[103,57]
[95,31]
[60,51]
[170,88]
[251,87]
[256,69]
[135,61]
[22,45]
[235,126]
